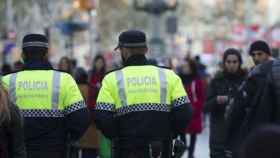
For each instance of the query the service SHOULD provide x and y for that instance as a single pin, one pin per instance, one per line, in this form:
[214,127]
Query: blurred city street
[208,44]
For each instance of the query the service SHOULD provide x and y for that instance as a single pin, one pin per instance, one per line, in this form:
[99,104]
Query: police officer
[52,106]
[140,105]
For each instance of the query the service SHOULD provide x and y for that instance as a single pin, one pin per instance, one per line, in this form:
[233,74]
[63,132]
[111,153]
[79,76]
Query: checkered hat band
[35,44]
[143,44]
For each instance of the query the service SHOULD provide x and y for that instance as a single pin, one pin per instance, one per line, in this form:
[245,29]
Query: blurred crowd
[213,94]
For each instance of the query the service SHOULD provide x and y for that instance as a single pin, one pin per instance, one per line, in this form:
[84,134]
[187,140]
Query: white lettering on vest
[33,85]
[141,81]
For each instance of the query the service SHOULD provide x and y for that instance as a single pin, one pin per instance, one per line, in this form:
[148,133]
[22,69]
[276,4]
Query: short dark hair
[140,50]
[259,46]
[34,53]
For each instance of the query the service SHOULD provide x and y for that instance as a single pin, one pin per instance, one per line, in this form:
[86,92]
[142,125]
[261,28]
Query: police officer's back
[53,109]
[140,103]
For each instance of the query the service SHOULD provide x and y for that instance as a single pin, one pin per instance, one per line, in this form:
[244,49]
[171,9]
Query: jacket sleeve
[181,112]
[103,113]
[17,135]
[211,103]
[77,115]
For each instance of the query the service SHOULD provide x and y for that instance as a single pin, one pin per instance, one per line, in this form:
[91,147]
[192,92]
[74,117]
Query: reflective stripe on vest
[163,86]
[121,87]
[12,87]
[55,89]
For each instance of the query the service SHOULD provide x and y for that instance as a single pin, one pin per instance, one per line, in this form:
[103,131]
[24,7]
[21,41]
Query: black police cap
[132,39]
[35,40]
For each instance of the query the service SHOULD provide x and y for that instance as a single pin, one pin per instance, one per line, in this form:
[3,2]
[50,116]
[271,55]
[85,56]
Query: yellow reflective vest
[44,93]
[141,88]
[52,106]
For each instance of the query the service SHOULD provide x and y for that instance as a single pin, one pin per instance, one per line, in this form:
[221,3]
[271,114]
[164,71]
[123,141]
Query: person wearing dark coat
[256,102]
[220,92]
[256,105]
[264,142]
[11,129]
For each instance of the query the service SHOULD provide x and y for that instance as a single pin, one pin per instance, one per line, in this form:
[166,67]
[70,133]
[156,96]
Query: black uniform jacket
[124,129]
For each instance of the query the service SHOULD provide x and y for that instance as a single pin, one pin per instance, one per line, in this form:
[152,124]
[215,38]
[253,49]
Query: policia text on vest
[140,105]
[140,100]
[52,107]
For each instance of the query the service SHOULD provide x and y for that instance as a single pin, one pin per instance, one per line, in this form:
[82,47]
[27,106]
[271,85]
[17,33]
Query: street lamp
[156,8]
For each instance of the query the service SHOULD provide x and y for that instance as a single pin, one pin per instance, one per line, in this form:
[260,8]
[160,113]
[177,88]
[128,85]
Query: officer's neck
[39,64]
[138,59]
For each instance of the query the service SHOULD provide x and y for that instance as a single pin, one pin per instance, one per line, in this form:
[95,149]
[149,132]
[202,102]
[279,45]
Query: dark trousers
[46,154]
[153,149]
[191,146]
[217,151]
[83,153]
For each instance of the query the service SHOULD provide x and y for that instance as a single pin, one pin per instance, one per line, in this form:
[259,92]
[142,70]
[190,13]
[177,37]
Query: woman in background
[65,64]
[88,145]
[220,92]
[96,75]
[195,88]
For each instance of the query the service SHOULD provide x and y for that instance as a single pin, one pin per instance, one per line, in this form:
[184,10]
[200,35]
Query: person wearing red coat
[96,75]
[194,86]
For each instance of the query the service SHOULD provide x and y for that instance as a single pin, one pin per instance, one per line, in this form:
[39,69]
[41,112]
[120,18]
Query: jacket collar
[136,60]
[38,65]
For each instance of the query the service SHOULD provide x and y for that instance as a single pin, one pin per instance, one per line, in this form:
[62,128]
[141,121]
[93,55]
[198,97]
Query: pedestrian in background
[262,143]
[220,92]
[96,74]
[11,128]
[257,101]
[260,52]
[88,144]
[194,87]
[65,65]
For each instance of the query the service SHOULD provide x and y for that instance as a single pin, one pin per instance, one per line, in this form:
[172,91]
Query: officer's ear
[23,57]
